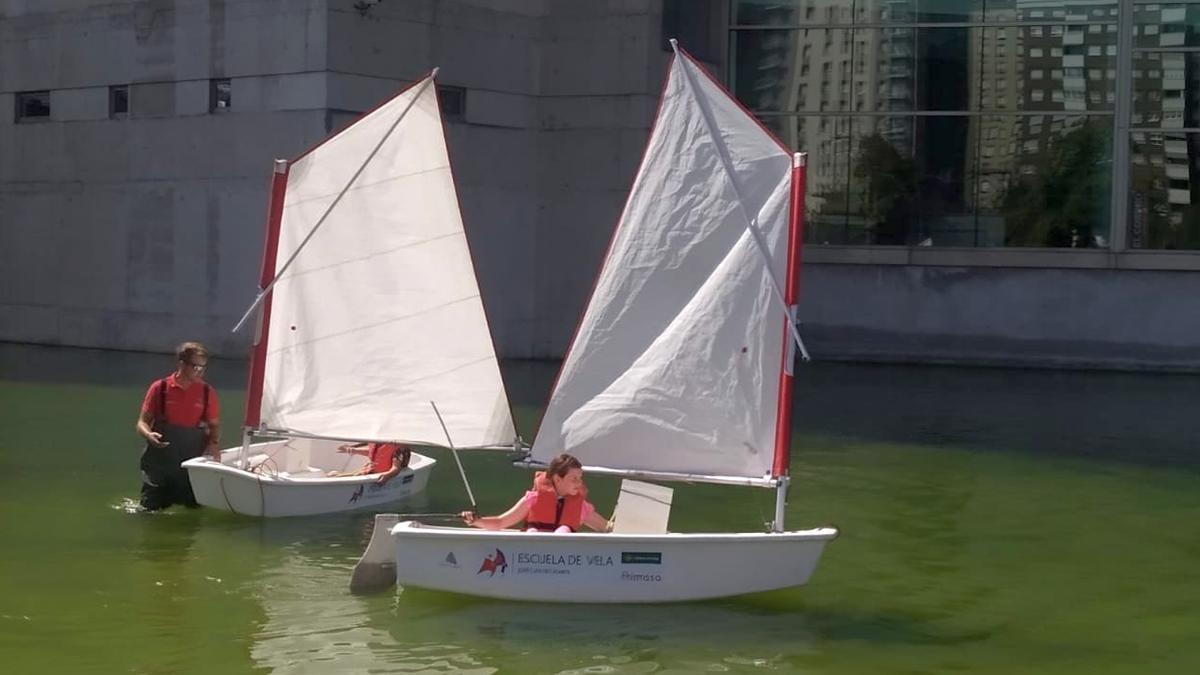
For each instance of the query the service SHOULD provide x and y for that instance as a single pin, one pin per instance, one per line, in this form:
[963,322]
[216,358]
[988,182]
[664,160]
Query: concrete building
[136,139]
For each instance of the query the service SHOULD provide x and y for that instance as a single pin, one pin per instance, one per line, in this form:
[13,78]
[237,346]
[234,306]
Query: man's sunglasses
[198,367]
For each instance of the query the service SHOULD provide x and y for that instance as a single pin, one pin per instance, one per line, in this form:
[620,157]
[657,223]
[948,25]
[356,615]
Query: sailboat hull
[603,568]
[288,478]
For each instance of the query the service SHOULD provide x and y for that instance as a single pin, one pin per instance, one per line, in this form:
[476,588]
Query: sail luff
[258,352]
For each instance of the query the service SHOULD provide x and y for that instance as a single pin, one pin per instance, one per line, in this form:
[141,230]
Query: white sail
[675,366]
[380,312]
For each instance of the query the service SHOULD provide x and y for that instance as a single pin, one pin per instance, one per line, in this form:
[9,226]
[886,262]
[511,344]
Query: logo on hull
[493,563]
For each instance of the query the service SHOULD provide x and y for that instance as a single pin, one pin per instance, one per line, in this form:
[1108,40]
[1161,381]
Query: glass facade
[983,122]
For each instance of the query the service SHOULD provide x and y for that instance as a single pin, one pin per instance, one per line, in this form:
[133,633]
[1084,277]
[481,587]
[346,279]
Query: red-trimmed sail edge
[612,238]
[470,255]
[358,119]
[258,352]
[783,419]
[770,134]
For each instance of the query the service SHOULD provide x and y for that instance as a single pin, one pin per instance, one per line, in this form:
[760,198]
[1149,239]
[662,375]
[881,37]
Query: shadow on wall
[1128,417]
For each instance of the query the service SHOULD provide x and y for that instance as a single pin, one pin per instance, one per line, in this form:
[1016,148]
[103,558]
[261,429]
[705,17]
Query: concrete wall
[136,233]
[1004,316]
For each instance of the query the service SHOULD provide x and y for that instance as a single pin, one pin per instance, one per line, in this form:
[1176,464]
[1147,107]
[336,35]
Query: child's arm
[505,520]
[597,522]
[353,449]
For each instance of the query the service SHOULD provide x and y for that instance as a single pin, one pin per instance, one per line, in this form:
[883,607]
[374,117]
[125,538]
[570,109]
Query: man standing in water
[179,420]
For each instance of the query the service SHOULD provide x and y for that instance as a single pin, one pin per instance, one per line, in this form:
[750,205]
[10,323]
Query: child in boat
[557,503]
[385,459]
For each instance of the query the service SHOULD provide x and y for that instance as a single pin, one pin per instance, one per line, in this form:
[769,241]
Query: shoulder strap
[204,413]
[162,398]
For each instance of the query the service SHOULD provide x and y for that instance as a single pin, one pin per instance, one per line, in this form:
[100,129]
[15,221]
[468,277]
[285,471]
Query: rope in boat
[225,494]
[262,497]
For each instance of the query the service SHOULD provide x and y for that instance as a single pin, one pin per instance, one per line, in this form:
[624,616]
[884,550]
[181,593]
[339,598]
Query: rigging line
[454,451]
[404,113]
[369,257]
[751,223]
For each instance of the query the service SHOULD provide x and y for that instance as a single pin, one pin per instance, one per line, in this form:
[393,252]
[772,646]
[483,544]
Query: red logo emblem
[492,563]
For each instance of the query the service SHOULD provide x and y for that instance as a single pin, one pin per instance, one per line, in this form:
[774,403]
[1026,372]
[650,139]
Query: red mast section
[791,294]
[258,353]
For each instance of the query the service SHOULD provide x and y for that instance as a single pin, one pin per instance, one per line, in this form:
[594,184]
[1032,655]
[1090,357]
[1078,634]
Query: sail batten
[675,366]
[377,311]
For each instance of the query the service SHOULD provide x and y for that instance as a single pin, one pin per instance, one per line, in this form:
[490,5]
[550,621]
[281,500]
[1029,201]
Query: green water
[993,522]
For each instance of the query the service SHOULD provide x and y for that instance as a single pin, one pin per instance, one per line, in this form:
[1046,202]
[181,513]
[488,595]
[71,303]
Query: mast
[258,353]
[783,423]
[783,426]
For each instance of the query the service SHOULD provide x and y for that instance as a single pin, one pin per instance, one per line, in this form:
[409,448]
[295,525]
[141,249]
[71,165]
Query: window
[118,101]
[33,105]
[453,102]
[219,96]
[940,77]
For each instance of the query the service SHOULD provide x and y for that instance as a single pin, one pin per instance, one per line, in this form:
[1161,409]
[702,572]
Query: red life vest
[545,514]
[382,455]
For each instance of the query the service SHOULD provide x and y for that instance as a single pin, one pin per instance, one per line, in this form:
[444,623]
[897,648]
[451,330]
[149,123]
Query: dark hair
[561,465]
[187,350]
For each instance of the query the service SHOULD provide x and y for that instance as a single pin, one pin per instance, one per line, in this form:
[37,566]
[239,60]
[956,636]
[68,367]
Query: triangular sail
[380,312]
[675,365]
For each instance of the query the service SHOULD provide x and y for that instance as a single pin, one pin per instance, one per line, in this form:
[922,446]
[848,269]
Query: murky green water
[993,522]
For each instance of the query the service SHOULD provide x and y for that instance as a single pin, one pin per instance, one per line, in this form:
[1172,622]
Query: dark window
[219,99]
[118,101]
[696,24]
[33,105]
[453,102]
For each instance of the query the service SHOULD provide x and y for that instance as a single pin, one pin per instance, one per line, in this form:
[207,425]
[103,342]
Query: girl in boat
[385,459]
[557,503]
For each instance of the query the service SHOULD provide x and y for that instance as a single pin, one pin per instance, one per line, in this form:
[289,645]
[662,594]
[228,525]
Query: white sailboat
[680,370]
[370,311]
